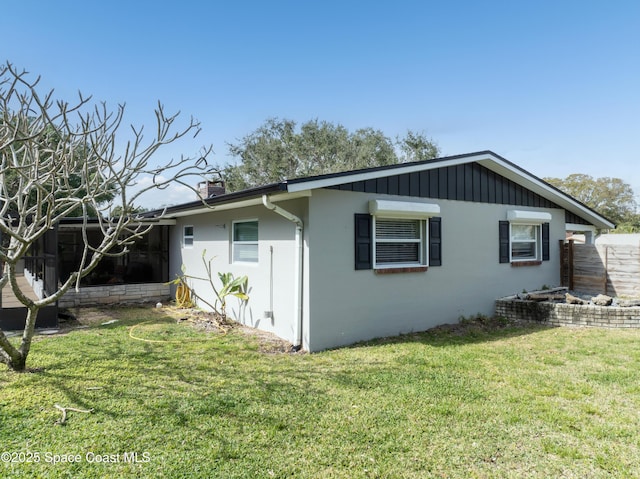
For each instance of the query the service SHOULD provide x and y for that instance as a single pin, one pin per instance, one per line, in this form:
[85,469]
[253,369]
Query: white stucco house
[339,258]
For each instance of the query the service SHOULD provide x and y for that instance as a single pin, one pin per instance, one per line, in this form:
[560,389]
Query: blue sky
[553,86]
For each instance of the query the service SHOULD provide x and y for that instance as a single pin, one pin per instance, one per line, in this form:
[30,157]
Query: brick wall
[562,314]
[121,293]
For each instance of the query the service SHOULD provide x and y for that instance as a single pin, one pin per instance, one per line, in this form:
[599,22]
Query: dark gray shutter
[504,241]
[435,241]
[545,241]
[363,249]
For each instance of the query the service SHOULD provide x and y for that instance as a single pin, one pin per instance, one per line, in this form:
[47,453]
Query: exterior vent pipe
[299,280]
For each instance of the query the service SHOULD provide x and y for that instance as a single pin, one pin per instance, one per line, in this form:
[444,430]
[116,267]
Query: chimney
[210,188]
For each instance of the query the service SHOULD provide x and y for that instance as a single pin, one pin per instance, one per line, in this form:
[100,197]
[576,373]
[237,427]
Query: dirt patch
[269,343]
[204,321]
[475,324]
[85,317]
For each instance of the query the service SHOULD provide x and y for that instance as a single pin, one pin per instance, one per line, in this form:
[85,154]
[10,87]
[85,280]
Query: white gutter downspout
[299,280]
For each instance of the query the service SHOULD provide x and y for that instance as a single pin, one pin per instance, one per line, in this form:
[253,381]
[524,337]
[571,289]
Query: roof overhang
[488,159]
[78,223]
[327,181]
[516,174]
[224,204]
[302,187]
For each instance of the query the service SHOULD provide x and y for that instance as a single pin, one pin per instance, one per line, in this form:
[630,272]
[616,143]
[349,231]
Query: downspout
[299,280]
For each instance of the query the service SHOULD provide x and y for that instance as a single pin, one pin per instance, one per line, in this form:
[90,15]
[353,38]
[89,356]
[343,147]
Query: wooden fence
[601,269]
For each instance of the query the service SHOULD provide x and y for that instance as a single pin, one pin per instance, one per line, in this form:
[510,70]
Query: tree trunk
[27,337]
[19,364]
[10,355]
[16,359]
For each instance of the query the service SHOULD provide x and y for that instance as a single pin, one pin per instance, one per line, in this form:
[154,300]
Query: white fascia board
[274,197]
[372,175]
[528,217]
[288,195]
[403,209]
[540,187]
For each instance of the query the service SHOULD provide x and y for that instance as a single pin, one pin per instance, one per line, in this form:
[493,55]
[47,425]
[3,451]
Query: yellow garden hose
[183,296]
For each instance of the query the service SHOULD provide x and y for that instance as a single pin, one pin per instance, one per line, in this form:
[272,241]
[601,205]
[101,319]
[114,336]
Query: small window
[245,241]
[525,242]
[187,236]
[399,242]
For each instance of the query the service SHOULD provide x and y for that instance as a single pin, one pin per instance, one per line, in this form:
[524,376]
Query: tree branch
[59,159]
[64,410]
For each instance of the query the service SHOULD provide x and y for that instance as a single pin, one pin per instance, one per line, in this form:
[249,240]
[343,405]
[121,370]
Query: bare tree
[82,167]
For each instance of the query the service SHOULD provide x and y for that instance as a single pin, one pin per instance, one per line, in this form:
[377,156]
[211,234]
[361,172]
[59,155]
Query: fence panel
[606,269]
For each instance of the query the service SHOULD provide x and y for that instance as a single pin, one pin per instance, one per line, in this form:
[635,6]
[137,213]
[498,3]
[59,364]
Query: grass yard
[508,402]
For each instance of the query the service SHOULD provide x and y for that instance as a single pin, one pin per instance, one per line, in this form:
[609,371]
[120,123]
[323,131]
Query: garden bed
[554,307]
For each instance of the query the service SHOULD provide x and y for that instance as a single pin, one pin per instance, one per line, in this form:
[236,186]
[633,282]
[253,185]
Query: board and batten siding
[348,305]
[466,182]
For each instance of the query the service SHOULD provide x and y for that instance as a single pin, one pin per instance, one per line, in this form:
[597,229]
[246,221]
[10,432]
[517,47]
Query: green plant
[501,321]
[236,287]
[231,286]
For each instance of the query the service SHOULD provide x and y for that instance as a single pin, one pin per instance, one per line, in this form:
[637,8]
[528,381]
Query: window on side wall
[524,238]
[245,241]
[398,236]
[187,237]
[399,242]
[525,242]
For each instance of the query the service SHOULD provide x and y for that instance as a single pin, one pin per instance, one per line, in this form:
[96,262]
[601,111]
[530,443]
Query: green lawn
[513,402]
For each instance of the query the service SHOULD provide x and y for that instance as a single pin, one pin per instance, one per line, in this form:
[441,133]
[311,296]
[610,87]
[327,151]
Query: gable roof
[297,187]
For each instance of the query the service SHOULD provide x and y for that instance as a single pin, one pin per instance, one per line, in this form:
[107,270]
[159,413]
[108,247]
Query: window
[399,242]
[245,241]
[187,236]
[525,242]
[524,238]
[398,236]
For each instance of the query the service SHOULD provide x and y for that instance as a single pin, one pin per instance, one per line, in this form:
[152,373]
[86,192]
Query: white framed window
[399,242]
[525,242]
[245,241]
[401,233]
[187,236]
[524,237]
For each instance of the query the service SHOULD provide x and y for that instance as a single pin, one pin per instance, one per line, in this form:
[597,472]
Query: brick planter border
[562,314]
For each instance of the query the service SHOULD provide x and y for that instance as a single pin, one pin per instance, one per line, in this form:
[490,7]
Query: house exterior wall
[272,283]
[348,305]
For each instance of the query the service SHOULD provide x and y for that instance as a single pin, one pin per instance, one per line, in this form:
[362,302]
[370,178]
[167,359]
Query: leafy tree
[278,150]
[611,197]
[416,147]
[58,158]
[631,225]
